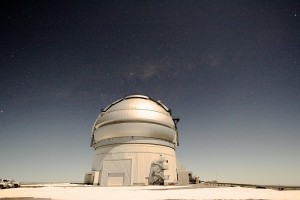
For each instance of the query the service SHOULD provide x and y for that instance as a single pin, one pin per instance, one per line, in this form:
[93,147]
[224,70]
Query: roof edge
[138,96]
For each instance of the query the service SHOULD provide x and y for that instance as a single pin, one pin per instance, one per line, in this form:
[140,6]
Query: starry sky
[229,69]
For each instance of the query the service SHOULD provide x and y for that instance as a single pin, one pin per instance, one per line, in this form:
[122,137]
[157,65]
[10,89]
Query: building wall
[141,157]
[183,178]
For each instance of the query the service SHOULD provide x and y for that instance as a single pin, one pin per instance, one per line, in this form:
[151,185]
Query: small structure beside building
[185,177]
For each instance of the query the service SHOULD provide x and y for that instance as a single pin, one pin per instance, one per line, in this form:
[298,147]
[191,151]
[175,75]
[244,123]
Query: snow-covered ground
[79,192]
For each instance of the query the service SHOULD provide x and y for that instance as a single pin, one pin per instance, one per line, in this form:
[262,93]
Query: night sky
[229,69]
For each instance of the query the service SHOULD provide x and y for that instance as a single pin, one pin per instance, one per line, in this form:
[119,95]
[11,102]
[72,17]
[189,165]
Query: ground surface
[77,192]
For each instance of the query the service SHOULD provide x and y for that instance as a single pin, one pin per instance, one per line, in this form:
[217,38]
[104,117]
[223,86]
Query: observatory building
[134,140]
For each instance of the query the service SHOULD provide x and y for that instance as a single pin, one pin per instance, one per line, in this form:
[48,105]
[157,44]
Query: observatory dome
[135,115]
[134,140]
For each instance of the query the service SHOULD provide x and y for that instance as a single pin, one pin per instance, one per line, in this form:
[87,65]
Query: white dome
[134,116]
[131,137]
